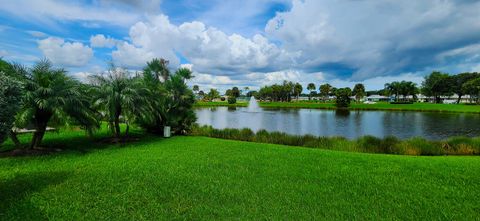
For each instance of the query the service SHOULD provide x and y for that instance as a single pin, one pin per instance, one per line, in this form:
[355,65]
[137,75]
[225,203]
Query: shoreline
[416,107]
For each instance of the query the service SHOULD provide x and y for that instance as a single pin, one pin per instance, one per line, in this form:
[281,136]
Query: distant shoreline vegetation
[365,144]
[385,106]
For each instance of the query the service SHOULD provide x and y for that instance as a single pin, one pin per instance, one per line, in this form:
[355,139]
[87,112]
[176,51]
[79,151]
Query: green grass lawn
[359,106]
[199,178]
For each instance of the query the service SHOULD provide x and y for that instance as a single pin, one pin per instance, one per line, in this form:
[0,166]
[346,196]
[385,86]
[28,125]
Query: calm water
[350,124]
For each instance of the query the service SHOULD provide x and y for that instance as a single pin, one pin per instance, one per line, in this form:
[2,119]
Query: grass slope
[462,108]
[204,178]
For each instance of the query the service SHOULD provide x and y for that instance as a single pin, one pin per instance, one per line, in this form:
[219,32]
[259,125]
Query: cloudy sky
[250,42]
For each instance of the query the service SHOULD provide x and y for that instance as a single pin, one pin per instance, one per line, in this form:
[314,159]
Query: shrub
[232,100]
[222,98]
[10,93]
[343,97]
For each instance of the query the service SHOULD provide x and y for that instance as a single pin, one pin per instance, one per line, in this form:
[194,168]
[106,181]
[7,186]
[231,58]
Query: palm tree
[159,68]
[53,98]
[325,90]
[358,91]
[394,88]
[196,88]
[179,101]
[297,89]
[120,97]
[311,87]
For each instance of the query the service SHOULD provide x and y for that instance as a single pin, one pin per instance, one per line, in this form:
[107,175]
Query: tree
[325,91]
[393,88]
[179,102]
[10,100]
[459,80]
[297,90]
[472,87]
[170,101]
[437,84]
[196,88]
[358,91]
[53,98]
[235,92]
[159,69]
[213,94]
[311,87]
[201,93]
[343,97]
[119,96]
[232,100]
[408,88]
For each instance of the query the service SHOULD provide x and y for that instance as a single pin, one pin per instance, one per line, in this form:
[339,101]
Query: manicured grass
[199,178]
[461,108]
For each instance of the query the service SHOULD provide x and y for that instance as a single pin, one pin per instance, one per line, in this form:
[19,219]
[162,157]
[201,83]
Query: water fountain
[253,105]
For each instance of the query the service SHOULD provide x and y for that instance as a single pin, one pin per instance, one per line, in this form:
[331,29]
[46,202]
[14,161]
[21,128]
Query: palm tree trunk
[38,136]
[459,98]
[117,127]
[127,130]
[14,138]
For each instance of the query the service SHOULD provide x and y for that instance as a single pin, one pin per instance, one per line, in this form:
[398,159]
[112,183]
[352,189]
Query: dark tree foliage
[358,91]
[232,100]
[170,98]
[437,84]
[10,98]
[277,92]
[343,97]
[459,80]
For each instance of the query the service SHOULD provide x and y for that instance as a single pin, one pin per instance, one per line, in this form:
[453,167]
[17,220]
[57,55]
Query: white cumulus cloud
[63,53]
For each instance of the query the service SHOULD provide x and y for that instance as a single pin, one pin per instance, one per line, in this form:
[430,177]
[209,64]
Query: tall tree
[472,87]
[311,87]
[213,94]
[358,91]
[325,91]
[297,90]
[394,88]
[459,80]
[437,84]
[53,98]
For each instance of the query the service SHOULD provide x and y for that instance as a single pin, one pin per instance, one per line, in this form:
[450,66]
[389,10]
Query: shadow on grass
[80,143]
[15,194]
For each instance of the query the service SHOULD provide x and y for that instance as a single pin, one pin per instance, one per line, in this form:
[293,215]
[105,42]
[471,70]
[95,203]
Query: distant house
[377,98]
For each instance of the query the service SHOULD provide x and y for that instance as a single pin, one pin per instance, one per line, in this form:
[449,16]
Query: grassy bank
[461,108]
[365,144]
[199,178]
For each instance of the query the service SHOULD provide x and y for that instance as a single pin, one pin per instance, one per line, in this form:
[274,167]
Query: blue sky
[252,42]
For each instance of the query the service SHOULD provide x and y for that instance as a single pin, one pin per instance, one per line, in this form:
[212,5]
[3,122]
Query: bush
[10,93]
[232,100]
[343,97]
[222,98]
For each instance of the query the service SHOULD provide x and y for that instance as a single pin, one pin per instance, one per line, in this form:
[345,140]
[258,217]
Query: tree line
[44,96]
[435,86]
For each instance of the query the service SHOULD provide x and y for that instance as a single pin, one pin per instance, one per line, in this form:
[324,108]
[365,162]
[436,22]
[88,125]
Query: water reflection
[350,124]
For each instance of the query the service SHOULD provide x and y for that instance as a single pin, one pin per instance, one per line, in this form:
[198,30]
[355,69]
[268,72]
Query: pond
[349,124]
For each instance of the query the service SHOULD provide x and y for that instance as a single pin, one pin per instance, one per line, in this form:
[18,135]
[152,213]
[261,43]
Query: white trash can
[166,131]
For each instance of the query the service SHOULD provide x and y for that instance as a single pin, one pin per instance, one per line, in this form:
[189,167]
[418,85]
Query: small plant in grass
[232,100]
